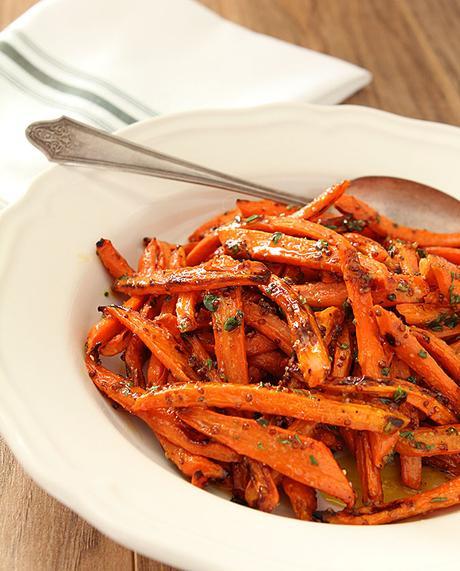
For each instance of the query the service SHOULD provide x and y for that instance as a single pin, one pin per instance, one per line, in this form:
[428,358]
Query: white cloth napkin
[113,62]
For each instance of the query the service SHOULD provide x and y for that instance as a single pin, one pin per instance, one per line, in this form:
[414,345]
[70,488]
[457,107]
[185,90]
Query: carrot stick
[370,248]
[203,249]
[383,226]
[211,224]
[257,343]
[158,340]
[397,390]
[262,207]
[371,356]
[228,325]
[440,351]
[441,497]
[261,492]
[329,321]
[157,373]
[404,255]
[278,248]
[116,345]
[382,446]
[272,362]
[112,260]
[186,311]
[302,498]
[323,295]
[297,404]
[135,356]
[149,260]
[411,471]
[369,473]
[408,348]
[447,332]
[198,468]
[262,316]
[399,369]
[450,254]
[301,458]
[307,341]
[430,441]
[428,315]
[448,464]
[194,279]
[322,202]
[343,357]
[447,276]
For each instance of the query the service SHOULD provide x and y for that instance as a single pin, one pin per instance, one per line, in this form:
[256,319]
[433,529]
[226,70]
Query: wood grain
[411,47]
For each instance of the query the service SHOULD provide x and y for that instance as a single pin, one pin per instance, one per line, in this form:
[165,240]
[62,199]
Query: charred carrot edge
[297,404]
[323,295]
[105,329]
[408,348]
[148,262]
[301,458]
[157,339]
[450,254]
[439,350]
[382,446]
[430,441]
[343,356]
[212,223]
[261,317]
[302,498]
[198,468]
[117,344]
[405,256]
[261,491]
[229,337]
[371,356]
[329,321]
[284,249]
[441,497]
[257,343]
[398,390]
[162,422]
[411,471]
[308,343]
[249,208]
[112,260]
[203,249]
[369,473]
[383,226]
[322,202]
[135,356]
[194,279]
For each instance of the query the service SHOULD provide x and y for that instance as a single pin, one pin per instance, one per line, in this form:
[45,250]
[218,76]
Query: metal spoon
[66,141]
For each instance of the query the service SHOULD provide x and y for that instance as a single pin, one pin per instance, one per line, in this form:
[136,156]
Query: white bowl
[105,465]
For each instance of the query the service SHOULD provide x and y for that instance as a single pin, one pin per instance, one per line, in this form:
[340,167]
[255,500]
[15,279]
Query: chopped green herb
[233,322]
[313,460]
[423,354]
[262,421]
[439,499]
[277,237]
[400,395]
[344,346]
[208,364]
[385,371]
[106,294]
[355,225]
[260,446]
[297,438]
[411,379]
[284,441]
[252,218]
[234,248]
[421,252]
[392,423]
[303,300]
[403,286]
[407,434]
[331,226]
[211,301]
[391,297]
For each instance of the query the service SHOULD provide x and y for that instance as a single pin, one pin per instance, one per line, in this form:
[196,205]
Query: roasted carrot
[261,491]
[278,247]
[449,464]
[117,344]
[371,356]
[440,351]
[404,254]
[198,468]
[329,321]
[399,369]
[370,248]
[203,249]
[369,473]
[158,340]
[430,441]
[447,276]
[343,356]
[429,315]
[112,260]
[322,202]
[411,471]
[302,498]
[450,254]
[135,356]
[257,343]
[408,348]
[384,227]
[272,362]
[301,458]
[297,404]
[382,446]
[194,279]
[226,307]
[148,262]
[186,311]
[249,208]
[307,341]
[441,497]
[323,295]
[260,315]
[157,373]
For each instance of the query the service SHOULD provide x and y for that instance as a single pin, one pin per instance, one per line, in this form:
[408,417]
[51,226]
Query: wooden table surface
[411,47]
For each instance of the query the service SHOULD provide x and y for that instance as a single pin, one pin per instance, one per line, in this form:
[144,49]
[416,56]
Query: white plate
[104,465]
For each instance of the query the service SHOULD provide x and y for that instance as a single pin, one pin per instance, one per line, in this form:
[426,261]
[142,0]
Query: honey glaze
[393,488]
